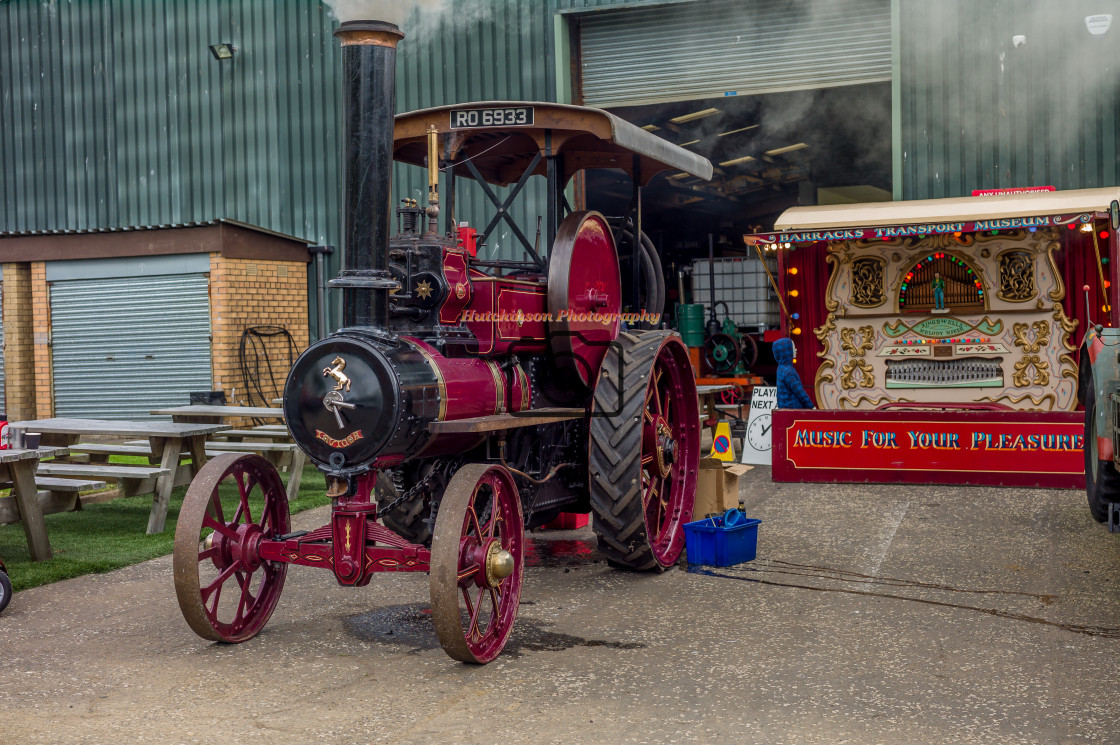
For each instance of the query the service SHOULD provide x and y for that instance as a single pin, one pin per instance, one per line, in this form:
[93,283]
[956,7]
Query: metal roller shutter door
[730,47]
[124,346]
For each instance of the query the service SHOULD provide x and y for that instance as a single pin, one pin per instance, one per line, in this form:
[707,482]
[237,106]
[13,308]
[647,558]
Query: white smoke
[400,12]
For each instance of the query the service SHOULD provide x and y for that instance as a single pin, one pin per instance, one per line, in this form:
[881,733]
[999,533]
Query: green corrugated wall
[978,112]
[114,113]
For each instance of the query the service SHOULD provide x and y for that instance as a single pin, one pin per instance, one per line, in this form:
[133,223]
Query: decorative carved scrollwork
[822,334]
[1051,246]
[867,282]
[1016,276]
[1041,336]
[830,301]
[945,241]
[857,349]
[1067,325]
[1031,369]
[857,373]
[1045,402]
[849,371]
[1023,376]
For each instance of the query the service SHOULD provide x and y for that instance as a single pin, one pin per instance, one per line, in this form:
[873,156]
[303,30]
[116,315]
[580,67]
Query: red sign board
[1013,448]
[1013,190]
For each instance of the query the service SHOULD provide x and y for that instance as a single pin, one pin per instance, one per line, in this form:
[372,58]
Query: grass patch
[108,536]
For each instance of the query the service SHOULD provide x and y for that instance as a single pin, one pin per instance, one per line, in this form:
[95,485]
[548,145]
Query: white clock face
[758,432]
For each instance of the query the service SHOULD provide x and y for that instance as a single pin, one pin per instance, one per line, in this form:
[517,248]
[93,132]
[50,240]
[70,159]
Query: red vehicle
[464,400]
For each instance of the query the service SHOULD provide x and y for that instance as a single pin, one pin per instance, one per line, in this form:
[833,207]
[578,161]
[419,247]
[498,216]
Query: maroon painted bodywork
[506,315]
[348,544]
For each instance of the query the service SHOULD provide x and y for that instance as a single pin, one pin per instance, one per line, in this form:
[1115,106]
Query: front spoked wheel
[478,561]
[226,592]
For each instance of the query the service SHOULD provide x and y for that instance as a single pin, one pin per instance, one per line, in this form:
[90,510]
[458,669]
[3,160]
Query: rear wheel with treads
[644,450]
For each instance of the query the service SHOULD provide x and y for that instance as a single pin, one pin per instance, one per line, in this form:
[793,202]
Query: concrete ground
[873,614]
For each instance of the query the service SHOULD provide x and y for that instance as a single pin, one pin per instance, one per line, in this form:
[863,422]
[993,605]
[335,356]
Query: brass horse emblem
[335,372]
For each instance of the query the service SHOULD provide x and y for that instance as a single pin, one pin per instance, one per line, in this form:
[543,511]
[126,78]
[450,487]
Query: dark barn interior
[770,152]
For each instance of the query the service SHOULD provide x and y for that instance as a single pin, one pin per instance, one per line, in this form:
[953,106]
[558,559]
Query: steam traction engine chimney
[369,53]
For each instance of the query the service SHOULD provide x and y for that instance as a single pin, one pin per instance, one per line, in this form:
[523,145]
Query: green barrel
[690,322]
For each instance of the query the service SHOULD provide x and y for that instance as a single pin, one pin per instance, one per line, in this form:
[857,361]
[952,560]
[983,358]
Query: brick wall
[19,351]
[41,348]
[245,293]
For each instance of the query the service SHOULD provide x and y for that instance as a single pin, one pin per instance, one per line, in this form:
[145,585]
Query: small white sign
[1098,25]
[757,442]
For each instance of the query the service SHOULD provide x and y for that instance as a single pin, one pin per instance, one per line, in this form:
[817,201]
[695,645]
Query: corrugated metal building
[114,113]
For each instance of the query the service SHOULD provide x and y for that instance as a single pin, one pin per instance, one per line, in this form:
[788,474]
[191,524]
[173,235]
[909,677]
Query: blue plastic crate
[722,540]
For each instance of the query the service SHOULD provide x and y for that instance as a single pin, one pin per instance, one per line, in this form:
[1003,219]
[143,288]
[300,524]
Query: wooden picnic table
[211,413]
[17,466]
[169,439]
[215,414]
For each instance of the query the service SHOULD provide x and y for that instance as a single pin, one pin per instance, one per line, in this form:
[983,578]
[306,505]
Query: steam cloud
[393,11]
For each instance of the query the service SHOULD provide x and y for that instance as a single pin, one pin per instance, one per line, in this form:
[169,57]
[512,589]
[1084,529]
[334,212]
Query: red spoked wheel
[226,592]
[645,450]
[478,560]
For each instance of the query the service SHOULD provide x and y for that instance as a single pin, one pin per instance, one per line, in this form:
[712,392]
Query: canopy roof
[584,137]
[956,209]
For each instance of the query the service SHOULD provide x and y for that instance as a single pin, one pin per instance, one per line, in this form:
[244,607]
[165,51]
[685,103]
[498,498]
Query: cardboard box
[717,487]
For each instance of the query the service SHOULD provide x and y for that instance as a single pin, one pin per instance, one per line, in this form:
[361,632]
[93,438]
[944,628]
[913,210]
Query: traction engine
[464,400]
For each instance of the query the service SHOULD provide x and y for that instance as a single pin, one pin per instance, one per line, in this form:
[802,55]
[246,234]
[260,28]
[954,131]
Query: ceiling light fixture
[737,161]
[693,116]
[736,131]
[651,127]
[786,149]
[690,142]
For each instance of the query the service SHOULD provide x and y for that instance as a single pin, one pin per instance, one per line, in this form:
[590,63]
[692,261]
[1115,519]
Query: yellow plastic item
[722,445]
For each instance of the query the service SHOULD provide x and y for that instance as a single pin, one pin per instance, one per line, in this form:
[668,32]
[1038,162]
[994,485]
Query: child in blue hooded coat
[790,393]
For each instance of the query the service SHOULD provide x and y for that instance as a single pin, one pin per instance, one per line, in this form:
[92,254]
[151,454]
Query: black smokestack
[369,55]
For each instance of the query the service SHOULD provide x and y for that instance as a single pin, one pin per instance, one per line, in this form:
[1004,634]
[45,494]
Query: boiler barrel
[353,402]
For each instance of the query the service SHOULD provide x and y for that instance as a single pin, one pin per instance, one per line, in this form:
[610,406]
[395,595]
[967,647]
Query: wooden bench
[213,448]
[137,449]
[250,447]
[55,495]
[279,454]
[262,433]
[133,480]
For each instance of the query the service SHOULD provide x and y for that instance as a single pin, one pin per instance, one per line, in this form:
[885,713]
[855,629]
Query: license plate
[516,116]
